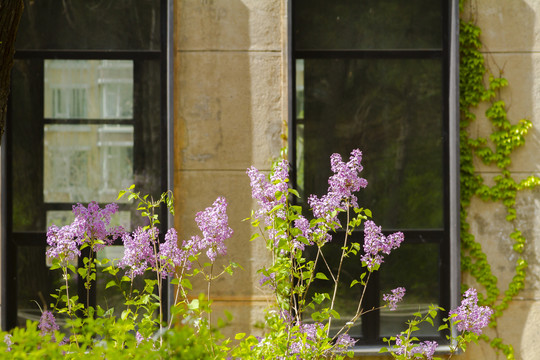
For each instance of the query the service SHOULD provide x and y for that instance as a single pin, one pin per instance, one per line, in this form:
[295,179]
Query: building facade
[237,85]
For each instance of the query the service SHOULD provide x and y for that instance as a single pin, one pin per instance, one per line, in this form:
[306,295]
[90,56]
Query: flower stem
[336,282]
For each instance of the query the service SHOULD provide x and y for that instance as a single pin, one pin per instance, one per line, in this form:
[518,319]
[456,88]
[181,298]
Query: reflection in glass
[35,283]
[84,163]
[347,297]
[415,267]
[90,24]
[367,24]
[88,89]
[392,111]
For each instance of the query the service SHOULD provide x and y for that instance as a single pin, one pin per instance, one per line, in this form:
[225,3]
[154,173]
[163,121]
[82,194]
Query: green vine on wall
[495,151]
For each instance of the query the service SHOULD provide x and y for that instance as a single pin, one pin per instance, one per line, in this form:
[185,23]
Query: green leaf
[194,305]
[321,276]
[120,194]
[442,327]
[239,336]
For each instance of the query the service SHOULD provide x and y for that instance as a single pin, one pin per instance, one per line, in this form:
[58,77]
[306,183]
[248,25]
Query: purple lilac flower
[138,251]
[306,232]
[342,186]
[92,223]
[139,338]
[265,191]
[395,297]
[470,316]
[8,341]
[426,348]
[189,248]
[169,254]
[214,224]
[401,347]
[298,346]
[269,280]
[47,324]
[62,243]
[311,330]
[376,243]
[344,341]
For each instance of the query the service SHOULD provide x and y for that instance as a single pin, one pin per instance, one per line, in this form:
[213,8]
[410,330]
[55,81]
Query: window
[89,116]
[381,76]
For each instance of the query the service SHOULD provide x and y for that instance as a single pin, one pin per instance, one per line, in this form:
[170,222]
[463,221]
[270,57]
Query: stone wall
[511,38]
[230,107]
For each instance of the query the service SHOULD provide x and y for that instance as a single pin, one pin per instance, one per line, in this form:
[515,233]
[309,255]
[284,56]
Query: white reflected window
[88,89]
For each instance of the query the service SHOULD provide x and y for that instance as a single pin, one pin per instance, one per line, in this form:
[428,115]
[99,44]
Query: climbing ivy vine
[478,85]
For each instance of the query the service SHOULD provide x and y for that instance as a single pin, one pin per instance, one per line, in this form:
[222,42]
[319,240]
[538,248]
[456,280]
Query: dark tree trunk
[10,15]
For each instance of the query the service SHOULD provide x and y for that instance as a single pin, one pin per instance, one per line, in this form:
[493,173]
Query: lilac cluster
[47,324]
[269,280]
[214,224]
[169,255]
[265,192]
[342,186]
[139,338]
[470,316]
[8,342]
[376,243]
[298,346]
[90,224]
[344,341]
[426,348]
[138,251]
[394,298]
[306,232]
[63,243]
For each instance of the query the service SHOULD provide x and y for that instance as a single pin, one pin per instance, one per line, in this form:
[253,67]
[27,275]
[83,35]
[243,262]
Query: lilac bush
[289,331]
[288,232]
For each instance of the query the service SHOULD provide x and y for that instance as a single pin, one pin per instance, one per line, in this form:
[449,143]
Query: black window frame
[449,259]
[10,240]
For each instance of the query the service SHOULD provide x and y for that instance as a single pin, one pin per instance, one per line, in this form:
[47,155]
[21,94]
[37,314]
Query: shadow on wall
[212,131]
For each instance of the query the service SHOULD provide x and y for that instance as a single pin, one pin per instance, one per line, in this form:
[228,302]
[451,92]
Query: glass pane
[392,110]
[84,163]
[26,135]
[35,283]
[90,24]
[367,24]
[416,268]
[347,298]
[88,89]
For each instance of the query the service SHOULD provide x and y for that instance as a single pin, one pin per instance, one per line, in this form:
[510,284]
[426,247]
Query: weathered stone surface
[522,72]
[507,26]
[229,25]
[228,111]
[492,231]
